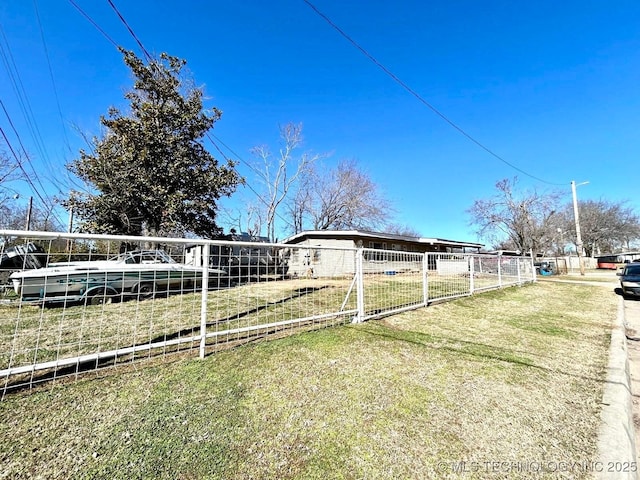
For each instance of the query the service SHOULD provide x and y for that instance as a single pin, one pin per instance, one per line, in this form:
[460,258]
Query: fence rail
[98,301]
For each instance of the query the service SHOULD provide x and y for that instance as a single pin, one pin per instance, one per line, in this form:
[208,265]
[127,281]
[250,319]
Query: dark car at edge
[630,280]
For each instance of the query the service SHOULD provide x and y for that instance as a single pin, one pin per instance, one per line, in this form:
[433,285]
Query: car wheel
[188,286]
[145,290]
[100,298]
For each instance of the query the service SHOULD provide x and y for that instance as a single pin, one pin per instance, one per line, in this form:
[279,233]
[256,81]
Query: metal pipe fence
[72,303]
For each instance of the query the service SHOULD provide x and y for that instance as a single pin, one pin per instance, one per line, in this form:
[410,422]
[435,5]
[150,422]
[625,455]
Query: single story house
[330,252]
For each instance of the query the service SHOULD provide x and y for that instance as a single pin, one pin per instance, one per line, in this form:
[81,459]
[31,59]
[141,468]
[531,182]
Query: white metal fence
[82,310]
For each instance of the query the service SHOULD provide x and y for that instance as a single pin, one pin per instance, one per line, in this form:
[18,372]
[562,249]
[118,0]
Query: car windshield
[150,256]
[632,270]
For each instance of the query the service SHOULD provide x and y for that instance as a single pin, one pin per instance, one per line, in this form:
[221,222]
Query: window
[632,269]
[373,256]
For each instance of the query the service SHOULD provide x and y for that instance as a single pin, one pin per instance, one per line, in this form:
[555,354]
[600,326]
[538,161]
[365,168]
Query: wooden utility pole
[28,223]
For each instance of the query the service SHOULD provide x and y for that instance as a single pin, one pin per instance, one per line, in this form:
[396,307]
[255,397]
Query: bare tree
[525,221]
[341,198]
[8,169]
[8,172]
[404,230]
[605,226]
[13,215]
[248,219]
[300,204]
[279,174]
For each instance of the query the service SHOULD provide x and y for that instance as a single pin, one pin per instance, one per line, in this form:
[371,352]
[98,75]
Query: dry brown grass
[511,376]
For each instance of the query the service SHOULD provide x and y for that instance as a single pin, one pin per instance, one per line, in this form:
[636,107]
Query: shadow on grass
[473,349]
[26,382]
[297,293]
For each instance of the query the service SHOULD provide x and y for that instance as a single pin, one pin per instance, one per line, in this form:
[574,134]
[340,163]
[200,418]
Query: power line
[255,170]
[15,131]
[26,175]
[53,82]
[85,15]
[260,197]
[21,166]
[150,59]
[144,50]
[420,98]
[23,100]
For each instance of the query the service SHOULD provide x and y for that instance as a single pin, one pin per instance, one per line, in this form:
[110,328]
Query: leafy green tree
[150,172]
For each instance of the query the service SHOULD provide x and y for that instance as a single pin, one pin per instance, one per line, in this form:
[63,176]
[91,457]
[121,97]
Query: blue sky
[550,87]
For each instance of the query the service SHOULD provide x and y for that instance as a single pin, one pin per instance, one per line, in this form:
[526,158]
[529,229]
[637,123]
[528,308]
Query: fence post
[359,287]
[499,269]
[518,270]
[533,269]
[472,270]
[425,278]
[203,303]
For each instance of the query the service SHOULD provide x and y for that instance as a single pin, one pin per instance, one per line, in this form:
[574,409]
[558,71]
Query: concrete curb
[616,437]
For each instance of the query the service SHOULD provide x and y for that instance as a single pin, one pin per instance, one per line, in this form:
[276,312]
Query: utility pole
[69,229]
[27,226]
[579,249]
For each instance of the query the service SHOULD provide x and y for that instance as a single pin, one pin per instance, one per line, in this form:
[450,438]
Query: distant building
[335,256]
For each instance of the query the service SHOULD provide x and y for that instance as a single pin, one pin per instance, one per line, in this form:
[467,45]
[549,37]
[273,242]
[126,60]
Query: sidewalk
[619,437]
[619,434]
[632,327]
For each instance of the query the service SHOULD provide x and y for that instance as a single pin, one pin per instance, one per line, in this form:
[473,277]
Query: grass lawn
[30,334]
[511,376]
[588,278]
[590,275]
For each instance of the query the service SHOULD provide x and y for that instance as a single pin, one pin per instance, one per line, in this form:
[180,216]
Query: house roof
[337,234]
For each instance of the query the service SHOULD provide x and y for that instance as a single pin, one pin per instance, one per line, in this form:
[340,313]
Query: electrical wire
[25,106]
[29,181]
[21,166]
[406,87]
[85,15]
[27,111]
[255,170]
[150,59]
[53,82]
[23,99]
[135,37]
